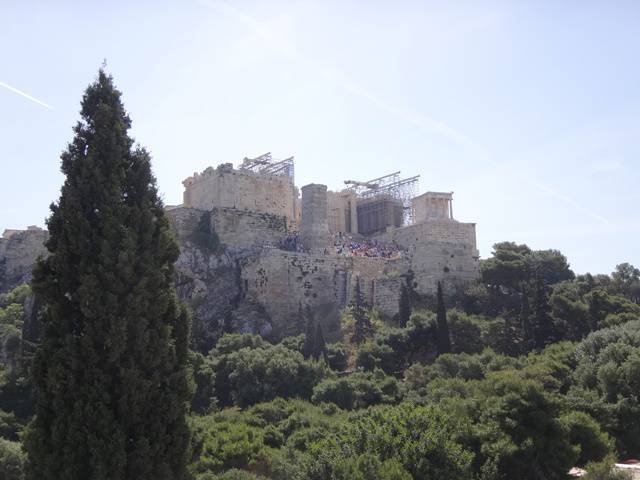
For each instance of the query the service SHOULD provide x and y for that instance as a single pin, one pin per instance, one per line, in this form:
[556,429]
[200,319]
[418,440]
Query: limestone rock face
[19,251]
[235,277]
[210,281]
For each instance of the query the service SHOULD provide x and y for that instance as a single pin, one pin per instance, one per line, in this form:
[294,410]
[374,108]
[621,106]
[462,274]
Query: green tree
[261,372]
[337,356]
[420,440]
[525,316]
[543,331]
[309,338]
[404,307]
[442,329]
[319,344]
[626,281]
[111,373]
[466,334]
[508,267]
[11,460]
[362,323]
[569,312]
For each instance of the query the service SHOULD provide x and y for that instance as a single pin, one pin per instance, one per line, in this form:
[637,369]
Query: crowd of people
[346,245]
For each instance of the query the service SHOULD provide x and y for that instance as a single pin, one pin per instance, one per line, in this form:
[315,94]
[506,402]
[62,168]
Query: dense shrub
[12,460]
[249,370]
[358,390]
[337,356]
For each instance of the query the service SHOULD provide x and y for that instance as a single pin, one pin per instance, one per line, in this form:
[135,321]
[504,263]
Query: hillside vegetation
[540,372]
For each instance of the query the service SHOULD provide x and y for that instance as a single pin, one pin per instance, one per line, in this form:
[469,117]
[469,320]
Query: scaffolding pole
[265,164]
[391,185]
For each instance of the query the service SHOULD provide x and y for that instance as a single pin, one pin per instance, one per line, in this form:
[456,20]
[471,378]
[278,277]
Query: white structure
[433,206]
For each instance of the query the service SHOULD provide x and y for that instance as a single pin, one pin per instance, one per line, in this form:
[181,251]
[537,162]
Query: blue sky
[528,110]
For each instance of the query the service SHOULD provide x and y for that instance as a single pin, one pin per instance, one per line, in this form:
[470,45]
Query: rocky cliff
[19,250]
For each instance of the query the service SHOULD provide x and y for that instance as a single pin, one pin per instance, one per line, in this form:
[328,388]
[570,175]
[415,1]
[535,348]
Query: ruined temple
[258,253]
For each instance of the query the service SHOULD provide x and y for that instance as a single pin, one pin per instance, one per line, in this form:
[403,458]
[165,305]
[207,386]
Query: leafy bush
[337,356]
[12,460]
[607,382]
[585,433]
[358,390]
[417,441]
[262,374]
[466,334]
[248,370]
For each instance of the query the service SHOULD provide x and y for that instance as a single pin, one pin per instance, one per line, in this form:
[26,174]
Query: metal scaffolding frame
[391,185]
[265,164]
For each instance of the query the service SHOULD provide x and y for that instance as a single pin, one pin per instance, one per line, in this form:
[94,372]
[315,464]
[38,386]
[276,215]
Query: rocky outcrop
[19,250]
[209,278]
[236,279]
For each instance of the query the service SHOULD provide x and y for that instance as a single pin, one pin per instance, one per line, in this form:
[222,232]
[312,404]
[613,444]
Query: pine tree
[525,318]
[404,307]
[319,344]
[362,323]
[111,370]
[443,342]
[513,335]
[543,331]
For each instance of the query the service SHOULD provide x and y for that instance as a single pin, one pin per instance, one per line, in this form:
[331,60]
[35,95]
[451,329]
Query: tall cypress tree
[443,341]
[319,344]
[362,323]
[404,307]
[111,371]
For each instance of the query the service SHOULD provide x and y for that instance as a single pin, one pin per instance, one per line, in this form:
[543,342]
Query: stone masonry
[314,229]
[253,281]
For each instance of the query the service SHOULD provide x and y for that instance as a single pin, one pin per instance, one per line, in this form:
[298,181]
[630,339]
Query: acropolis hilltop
[281,250]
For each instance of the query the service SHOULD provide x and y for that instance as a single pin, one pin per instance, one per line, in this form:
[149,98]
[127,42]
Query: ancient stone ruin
[258,254]
[297,253]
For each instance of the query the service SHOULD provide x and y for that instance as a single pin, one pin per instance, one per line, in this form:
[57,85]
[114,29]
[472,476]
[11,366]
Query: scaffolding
[377,193]
[265,164]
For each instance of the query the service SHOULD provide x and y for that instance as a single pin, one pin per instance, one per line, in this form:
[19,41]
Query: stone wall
[289,284]
[314,229]
[19,251]
[226,187]
[286,283]
[437,250]
[235,228]
[449,231]
[386,296]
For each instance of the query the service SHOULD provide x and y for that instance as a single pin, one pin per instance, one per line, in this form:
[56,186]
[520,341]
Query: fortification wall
[449,231]
[225,187]
[288,284]
[450,263]
[245,229]
[437,250]
[235,228]
[314,229]
[386,295]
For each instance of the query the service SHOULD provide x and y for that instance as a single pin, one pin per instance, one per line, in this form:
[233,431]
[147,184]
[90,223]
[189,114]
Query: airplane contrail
[25,95]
